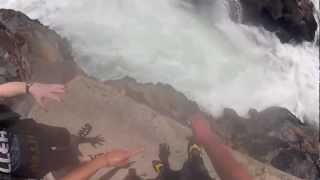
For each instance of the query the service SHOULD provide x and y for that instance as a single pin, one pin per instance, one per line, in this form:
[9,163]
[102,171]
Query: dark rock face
[289,19]
[13,63]
[37,52]
[277,137]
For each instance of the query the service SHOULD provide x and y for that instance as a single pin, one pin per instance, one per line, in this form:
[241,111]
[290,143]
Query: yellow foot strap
[194,147]
[158,167]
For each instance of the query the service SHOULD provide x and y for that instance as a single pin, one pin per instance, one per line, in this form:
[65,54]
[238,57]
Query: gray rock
[289,19]
[275,136]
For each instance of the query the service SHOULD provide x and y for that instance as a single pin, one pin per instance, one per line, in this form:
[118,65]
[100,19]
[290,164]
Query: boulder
[275,136]
[291,20]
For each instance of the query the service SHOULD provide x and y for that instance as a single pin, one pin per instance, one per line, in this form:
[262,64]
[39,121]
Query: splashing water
[218,64]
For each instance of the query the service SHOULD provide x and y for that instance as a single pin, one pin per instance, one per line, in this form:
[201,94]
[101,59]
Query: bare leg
[162,167]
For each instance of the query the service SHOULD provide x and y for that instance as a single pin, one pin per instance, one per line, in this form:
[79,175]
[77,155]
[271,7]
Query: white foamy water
[212,60]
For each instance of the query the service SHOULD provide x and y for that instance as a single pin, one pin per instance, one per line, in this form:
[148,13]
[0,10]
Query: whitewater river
[214,61]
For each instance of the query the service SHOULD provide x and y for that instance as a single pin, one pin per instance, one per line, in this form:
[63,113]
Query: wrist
[99,163]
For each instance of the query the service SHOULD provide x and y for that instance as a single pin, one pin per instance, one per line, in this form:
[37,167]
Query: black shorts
[44,149]
[55,148]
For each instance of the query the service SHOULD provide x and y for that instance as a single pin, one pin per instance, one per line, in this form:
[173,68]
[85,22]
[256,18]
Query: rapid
[210,58]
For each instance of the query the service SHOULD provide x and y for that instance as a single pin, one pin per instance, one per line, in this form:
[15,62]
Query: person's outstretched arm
[223,161]
[38,90]
[111,159]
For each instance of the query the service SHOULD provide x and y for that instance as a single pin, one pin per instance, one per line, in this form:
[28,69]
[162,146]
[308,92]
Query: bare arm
[39,91]
[12,89]
[227,167]
[223,161]
[87,170]
[111,159]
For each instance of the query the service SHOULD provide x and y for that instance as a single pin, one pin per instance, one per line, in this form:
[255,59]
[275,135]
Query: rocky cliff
[37,52]
[125,122]
[32,51]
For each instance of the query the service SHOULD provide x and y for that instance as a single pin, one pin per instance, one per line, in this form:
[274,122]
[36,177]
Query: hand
[119,158]
[40,92]
[201,129]
[94,141]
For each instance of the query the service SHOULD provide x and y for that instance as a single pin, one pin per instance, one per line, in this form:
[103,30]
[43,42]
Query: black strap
[7,116]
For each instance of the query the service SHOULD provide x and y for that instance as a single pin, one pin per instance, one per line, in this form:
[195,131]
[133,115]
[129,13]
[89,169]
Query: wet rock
[235,10]
[271,119]
[275,136]
[289,19]
[295,162]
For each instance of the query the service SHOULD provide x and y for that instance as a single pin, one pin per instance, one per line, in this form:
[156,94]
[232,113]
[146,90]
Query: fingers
[135,152]
[53,97]
[57,88]
[39,100]
[123,163]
